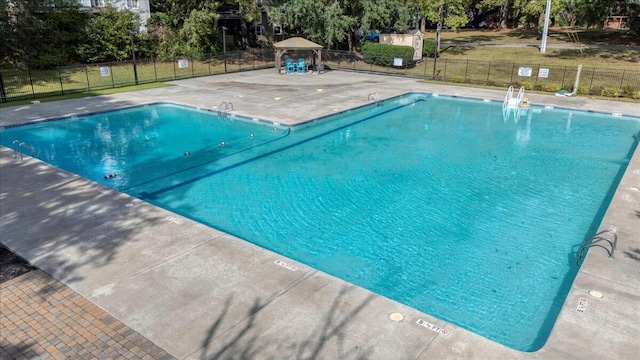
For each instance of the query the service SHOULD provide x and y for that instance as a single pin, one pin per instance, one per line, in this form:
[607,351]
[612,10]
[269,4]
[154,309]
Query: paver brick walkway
[41,318]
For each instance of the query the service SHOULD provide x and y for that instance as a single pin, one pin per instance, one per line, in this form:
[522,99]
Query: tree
[200,33]
[444,12]
[41,33]
[108,35]
[183,28]
[334,22]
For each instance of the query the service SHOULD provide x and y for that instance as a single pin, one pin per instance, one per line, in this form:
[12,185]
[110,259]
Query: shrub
[551,87]
[630,92]
[582,90]
[527,85]
[596,90]
[428,47]
[610,92]
[383,54]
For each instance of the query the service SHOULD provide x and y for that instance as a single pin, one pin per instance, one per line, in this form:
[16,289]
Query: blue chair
[302,67]
[290,66]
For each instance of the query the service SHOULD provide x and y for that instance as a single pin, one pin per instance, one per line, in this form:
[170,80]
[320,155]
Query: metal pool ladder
[600,239]
[19,146]
[226,105]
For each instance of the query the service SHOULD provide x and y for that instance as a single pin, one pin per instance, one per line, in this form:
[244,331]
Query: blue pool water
[441,204]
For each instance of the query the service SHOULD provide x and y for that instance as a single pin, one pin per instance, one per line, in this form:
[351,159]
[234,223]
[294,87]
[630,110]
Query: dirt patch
[12,265]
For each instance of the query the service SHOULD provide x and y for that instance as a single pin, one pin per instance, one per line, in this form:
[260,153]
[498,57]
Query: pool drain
[596,294]
[397,317]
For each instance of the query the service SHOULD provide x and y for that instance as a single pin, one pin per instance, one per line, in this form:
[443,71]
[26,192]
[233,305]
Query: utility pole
[545,29]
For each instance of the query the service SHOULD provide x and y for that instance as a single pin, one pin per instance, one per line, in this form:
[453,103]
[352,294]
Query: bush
[630,92]
[551,87]
[527,85]
[582,90]
[610,92]
[383,54]
[428,47]
[596,90]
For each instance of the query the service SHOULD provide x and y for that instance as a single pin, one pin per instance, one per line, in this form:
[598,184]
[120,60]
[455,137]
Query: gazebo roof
[297,43]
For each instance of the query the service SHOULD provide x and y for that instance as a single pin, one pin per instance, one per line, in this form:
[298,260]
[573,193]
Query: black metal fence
[592,81]
[20,84]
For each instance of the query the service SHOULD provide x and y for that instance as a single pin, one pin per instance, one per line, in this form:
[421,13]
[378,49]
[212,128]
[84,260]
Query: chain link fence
[21,84]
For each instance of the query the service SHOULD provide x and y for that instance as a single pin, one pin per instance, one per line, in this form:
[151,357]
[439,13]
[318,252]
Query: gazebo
[296,43]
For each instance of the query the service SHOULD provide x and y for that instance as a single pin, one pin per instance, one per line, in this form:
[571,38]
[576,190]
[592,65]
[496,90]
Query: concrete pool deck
[199,293]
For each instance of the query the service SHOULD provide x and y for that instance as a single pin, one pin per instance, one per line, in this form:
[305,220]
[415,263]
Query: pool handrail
[596,240]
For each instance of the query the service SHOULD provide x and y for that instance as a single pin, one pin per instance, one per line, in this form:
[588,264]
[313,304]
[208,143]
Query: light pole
[545,29]
[133,54]
[224,46]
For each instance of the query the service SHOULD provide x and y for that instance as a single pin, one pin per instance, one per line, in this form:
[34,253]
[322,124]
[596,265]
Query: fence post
[3,93]
[60,77]
[537,72]
[155,71]
[209,64]
[563,76]
[445,69]
[591,81]
[424,75]
[113,83]
[33,93]
[513,67]
[240,61]
[489,71]
[192,66]
[174,68]
[86,72]
[621,80]
[466,69]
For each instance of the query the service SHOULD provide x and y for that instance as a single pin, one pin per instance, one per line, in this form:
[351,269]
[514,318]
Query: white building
[138,6]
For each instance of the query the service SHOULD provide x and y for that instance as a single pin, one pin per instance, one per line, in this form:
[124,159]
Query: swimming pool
[435,202]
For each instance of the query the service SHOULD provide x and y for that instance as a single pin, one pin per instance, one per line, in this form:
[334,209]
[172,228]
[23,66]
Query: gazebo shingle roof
[297,43]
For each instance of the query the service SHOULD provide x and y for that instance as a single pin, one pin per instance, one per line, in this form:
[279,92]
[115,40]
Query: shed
[412,38]
[296,43]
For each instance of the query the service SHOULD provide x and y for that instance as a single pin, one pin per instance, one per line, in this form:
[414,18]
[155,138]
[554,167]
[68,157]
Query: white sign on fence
[525,71]
[397,61]
[104,71]
[543,73]
[183,63]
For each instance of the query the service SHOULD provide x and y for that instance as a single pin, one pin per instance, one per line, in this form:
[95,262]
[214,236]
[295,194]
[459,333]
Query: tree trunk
[504,14]
[350,37]
[423,24]
[439,28]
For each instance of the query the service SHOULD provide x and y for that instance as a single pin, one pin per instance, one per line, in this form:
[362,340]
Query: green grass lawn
[615,59]
[532,36]
[23,84]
